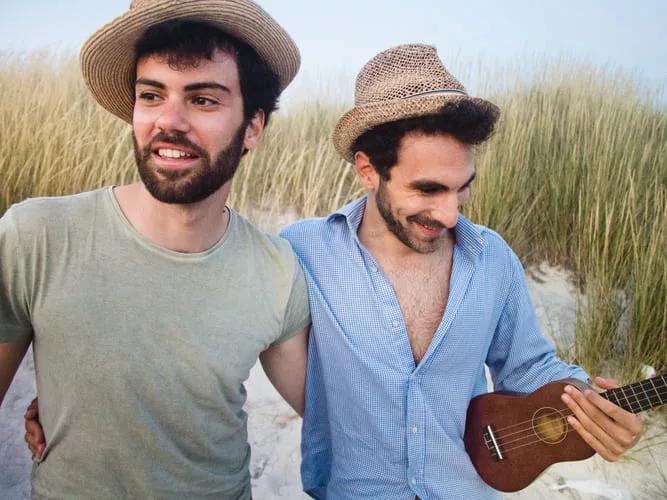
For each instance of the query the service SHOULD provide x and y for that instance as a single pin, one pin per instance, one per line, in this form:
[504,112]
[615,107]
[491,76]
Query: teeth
[173,153]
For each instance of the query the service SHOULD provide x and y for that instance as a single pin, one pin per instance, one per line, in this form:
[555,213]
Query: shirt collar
[469,236]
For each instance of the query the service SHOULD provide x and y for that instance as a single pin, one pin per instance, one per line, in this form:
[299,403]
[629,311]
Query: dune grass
[575,175]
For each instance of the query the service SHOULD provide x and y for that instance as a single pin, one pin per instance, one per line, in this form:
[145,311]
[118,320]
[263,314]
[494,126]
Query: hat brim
[108,57]
[361,119]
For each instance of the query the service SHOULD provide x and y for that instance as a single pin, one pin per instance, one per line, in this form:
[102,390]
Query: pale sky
[338,37]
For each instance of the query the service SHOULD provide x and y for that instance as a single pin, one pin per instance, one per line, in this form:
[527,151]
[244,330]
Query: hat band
[436,92]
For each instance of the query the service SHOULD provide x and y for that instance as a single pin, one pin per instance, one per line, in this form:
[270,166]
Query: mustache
[426,221]
[174,140]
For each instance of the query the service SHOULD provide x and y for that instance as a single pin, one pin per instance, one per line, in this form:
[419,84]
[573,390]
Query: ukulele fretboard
[640,396]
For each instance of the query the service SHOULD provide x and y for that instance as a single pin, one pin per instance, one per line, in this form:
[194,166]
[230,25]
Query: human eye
[147,96]
[430,190]
[203,101]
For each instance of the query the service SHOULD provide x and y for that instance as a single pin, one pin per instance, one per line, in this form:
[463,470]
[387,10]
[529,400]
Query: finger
[36,448]
[34,432]
[630,422]
[34,436]
[610,440]
[591,440]
[618,430]
[606,383]
[33,410]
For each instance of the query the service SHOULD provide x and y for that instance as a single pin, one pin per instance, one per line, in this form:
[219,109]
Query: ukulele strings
[661,393]
[529,432]
[528,424]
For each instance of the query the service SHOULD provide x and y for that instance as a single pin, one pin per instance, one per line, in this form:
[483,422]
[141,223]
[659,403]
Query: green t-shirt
[141,352]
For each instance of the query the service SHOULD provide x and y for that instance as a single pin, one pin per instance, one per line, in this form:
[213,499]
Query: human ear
[254,130]
[366,171]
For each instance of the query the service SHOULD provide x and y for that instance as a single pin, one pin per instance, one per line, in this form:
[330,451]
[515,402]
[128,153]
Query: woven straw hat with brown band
[402,82]
[108,60]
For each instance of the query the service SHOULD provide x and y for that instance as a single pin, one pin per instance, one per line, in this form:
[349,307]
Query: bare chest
[422,296]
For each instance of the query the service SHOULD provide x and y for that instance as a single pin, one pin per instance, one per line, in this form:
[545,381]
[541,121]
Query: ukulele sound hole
[550,425]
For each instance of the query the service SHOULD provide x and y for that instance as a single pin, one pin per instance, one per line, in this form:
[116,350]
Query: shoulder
[43,213]
[496,243]
[329,234]
[262,245]
[314,238]
[306,230]
[45,207]
[494,251]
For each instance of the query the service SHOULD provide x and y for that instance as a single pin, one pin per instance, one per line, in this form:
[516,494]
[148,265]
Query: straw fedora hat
[108,61]
[402,82]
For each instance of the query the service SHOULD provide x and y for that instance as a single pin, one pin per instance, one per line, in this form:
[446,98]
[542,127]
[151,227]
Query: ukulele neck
[640,396]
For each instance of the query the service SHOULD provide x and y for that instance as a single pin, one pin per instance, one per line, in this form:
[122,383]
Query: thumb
[606,383]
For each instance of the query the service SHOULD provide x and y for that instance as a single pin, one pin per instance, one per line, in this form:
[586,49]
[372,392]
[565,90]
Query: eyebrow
[427,185]
[206,85]
[187,88]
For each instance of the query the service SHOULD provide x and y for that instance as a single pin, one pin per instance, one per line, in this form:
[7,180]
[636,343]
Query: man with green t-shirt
[148,304]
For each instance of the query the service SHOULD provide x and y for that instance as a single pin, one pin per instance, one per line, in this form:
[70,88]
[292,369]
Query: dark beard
[401,232]
[184,187]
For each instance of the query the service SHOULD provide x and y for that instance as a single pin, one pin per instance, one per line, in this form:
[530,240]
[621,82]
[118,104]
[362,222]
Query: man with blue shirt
[409,300]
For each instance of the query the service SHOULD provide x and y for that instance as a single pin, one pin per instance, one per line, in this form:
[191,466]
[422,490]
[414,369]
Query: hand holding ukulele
[513,438]
[606,427]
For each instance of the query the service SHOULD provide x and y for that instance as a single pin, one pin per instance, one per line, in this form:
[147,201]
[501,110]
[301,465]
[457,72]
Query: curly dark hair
[184,43]
[470,122]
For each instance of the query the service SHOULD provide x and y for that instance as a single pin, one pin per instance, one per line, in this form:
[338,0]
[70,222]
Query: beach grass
[575,176]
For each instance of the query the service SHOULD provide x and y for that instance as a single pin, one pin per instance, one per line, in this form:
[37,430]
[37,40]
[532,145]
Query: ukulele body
[512,438]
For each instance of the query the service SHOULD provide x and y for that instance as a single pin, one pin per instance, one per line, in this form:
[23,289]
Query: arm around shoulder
[285,360]
[285,366]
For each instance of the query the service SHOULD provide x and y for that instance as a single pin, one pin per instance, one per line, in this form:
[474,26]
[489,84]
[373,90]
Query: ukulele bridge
[492,443]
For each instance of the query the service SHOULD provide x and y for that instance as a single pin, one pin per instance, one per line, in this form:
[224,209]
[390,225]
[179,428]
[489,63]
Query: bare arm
[11,356]
[285,366]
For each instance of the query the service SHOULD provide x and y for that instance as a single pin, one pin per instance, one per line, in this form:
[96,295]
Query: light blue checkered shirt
[376,426]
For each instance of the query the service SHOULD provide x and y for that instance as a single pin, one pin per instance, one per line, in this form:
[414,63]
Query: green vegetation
[575,176]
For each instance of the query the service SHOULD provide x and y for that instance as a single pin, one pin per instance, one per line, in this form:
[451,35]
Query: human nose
[172,117]
[447,210]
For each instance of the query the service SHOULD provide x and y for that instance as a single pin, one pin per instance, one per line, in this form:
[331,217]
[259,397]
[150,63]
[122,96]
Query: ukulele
[512,438]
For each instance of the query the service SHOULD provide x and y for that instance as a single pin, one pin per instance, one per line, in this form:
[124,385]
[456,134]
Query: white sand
[275,432]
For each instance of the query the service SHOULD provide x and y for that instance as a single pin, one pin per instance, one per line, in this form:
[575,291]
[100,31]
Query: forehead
[170,71]
[429,155]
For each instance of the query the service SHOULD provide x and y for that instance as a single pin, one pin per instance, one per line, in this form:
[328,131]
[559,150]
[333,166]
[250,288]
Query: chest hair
[422,292]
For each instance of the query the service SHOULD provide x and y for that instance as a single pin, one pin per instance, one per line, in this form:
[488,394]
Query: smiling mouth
[173,154]
[434,226]
[432,231]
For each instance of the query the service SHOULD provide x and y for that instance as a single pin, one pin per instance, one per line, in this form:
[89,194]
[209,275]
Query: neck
[190,228]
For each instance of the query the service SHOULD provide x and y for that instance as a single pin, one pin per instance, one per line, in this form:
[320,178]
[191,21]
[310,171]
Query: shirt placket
[415,434]
[416,409]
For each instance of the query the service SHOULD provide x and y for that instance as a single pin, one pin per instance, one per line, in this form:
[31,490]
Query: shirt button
[374,269]
[413,377]
[414,481]
[395,324]
[414,430]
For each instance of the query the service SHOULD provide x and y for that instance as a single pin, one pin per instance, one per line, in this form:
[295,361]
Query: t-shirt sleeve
[297,311]
[15,322]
